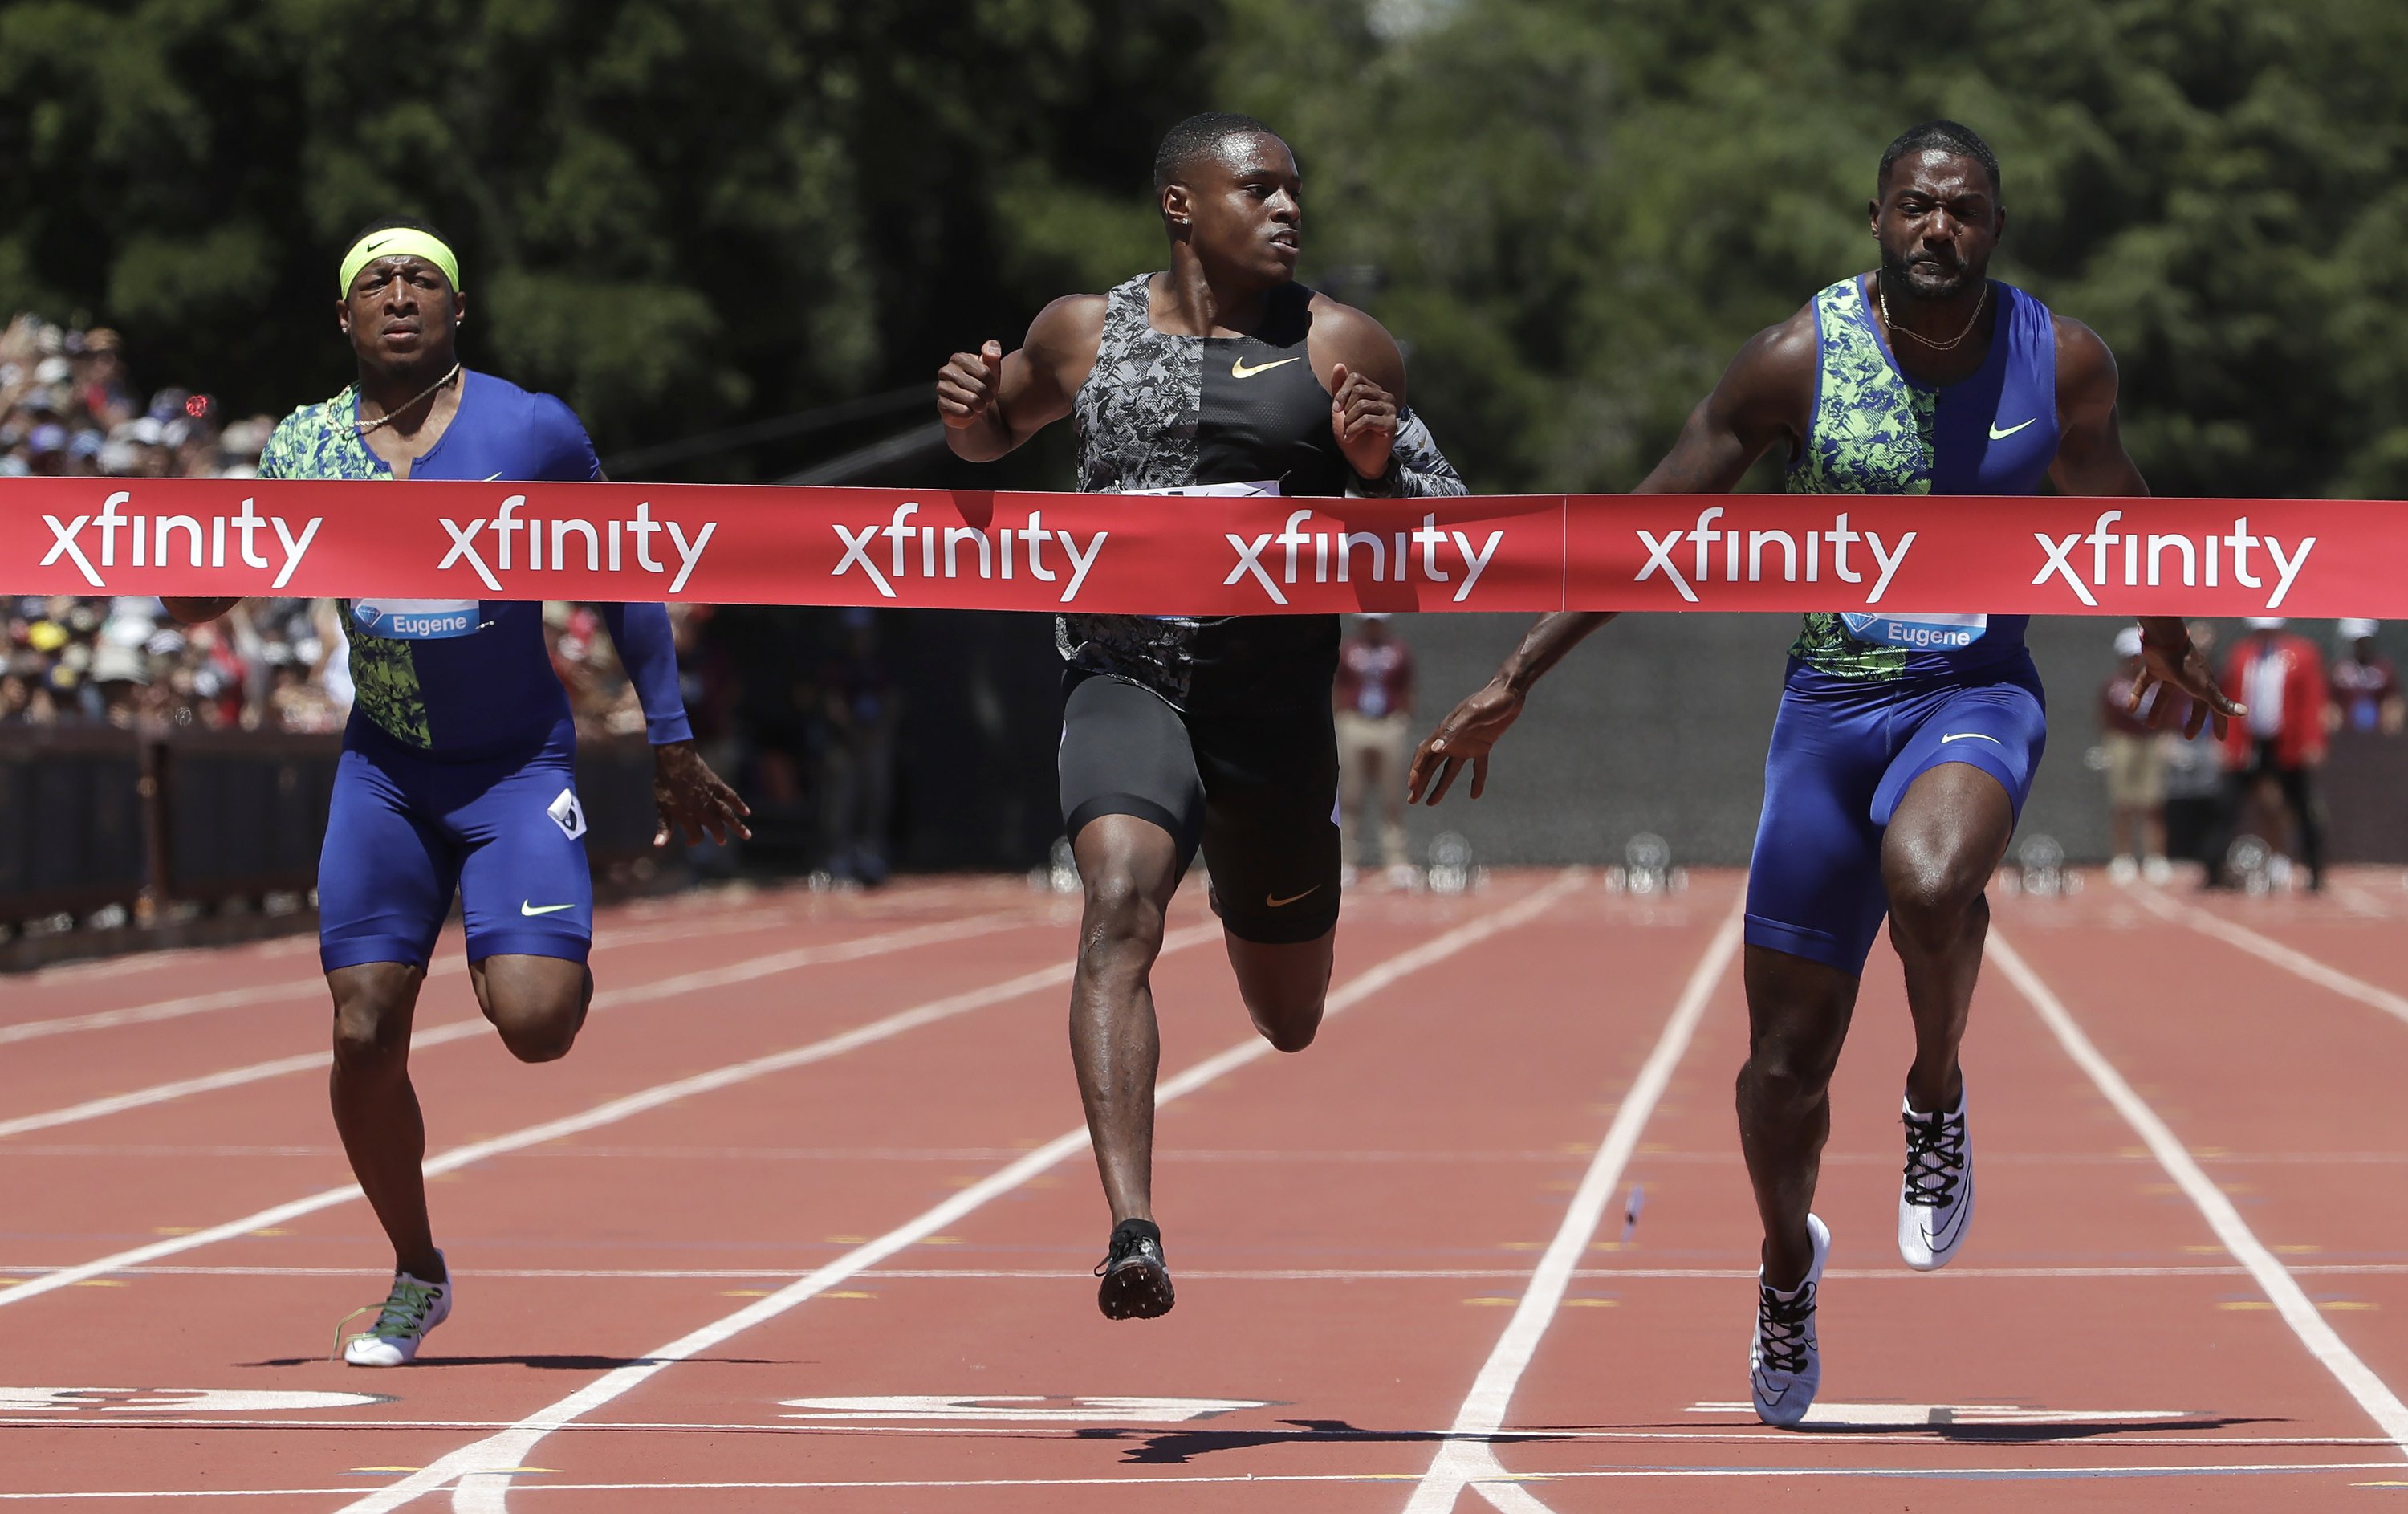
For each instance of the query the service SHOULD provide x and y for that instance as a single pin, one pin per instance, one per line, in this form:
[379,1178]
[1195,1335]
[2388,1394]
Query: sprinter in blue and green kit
[457,774]
[1905,744]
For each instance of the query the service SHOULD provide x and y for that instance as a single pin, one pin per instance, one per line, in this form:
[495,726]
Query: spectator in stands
[2194,773]
[2136,769]
[68,409]
[1373,695]
[2365,686]
[860,712]
[2280,677]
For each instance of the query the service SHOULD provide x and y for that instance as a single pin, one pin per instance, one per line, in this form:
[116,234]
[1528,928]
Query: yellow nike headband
[399,241]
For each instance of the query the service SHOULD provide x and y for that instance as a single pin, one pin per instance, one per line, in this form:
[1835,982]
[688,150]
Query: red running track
[806,1222]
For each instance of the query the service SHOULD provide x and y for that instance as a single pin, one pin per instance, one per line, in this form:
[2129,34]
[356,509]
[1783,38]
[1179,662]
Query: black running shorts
[1254,782]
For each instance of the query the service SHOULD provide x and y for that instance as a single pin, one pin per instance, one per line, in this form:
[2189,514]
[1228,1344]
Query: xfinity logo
[600,543]
[1760,549]
[2201,559]
[1355,550]
[159,540]
[949,551]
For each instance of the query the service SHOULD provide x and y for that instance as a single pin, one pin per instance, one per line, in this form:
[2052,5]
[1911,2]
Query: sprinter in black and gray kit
[1220,376]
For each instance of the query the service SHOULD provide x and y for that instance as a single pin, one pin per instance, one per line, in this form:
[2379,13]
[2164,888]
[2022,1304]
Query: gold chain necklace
[1881,292]
[363,427]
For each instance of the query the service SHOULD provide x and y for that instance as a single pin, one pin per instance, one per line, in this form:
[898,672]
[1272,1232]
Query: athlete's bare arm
[1359,364]
[990,402]
[189,612]
[1763,397]
[2091,460]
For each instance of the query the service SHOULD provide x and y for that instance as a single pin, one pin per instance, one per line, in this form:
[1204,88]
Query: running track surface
[805,1220]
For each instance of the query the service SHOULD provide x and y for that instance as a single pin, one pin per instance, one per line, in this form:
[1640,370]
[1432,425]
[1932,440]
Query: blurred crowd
[814,733]
[2252,806]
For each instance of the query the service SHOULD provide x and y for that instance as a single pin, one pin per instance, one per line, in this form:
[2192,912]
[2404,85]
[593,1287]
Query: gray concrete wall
[1659,723]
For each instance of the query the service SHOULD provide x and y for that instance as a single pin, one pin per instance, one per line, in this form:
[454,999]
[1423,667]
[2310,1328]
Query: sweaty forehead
[1940,174]
[1241,154]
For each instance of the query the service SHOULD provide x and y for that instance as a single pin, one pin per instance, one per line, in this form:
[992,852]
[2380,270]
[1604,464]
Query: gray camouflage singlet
[1141,424]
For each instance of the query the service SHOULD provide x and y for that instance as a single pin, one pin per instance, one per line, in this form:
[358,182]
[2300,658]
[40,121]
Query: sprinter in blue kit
[1905,744]
[457,774]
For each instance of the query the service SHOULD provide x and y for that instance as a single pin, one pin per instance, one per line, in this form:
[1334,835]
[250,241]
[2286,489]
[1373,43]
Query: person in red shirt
[2280,678]
[1373,695]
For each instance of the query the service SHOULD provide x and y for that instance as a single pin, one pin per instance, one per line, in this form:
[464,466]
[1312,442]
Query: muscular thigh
[386,870]
[1271,819]
[1815,881]
[525,887]
[1125,752]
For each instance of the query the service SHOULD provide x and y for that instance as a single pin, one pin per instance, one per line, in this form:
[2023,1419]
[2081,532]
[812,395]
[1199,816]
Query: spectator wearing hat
[2365,686]
[2280,678]
[1373,699]
[2136,769]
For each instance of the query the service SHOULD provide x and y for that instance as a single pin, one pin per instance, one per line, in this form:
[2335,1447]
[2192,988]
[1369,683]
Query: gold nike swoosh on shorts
[1290,899]
[1238,370]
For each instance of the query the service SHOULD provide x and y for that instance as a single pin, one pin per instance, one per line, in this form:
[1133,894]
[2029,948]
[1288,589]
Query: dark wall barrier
[94,817]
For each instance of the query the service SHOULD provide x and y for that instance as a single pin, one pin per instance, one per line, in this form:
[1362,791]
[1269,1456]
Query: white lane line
[2280,1287]
[2266,949]
[436,1035]
[474,1472]
[1259,1274]
[1149,1483]
[611,1112]
[1468,1459]
[241,998]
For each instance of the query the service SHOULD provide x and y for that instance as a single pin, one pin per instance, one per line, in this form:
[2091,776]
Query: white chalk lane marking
[1468,1459]
[771,964]
[607,1113]
[476,1473]
[2274,1280]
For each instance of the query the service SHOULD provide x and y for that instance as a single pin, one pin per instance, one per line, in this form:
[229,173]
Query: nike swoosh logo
[1290,899]
[529,907]
[1238,370]
[1971,736]
[492,478]
[1997,434]
[374,245]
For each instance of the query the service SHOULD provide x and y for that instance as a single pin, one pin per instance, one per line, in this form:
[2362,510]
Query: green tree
[1579,211]
[674,214]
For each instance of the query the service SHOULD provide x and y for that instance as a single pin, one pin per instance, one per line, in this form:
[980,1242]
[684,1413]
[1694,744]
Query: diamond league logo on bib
[1919,633]
[417,620]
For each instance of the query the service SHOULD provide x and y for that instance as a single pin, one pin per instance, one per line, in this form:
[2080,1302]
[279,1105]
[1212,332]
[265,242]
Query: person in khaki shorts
[1373,697]
[2136,771]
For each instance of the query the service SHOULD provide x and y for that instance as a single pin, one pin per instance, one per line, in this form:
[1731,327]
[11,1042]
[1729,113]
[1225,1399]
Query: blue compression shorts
[507,832]
[1843,755]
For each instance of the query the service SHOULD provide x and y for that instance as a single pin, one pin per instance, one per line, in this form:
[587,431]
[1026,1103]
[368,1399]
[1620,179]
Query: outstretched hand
[692,799]
[1462,739]
[2169,662]
[1363,417]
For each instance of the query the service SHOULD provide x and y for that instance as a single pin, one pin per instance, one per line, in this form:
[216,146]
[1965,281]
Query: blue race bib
[417,620]
[1917,633]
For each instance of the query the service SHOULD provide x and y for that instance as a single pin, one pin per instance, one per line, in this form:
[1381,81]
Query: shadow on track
[1176,1446]
[2008,1435]
[539,1362]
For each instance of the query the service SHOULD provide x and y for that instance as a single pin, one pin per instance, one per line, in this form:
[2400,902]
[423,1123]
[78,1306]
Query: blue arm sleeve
[649,653]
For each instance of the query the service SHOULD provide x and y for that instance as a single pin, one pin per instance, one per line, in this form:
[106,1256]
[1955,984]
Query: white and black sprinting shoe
[1784,1364]
[413,1308]
[1137,1279]
[1935,1200]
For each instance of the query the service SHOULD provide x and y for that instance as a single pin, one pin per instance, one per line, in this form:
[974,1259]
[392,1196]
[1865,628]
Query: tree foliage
[673,212]
[683,212]
[1581,211]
